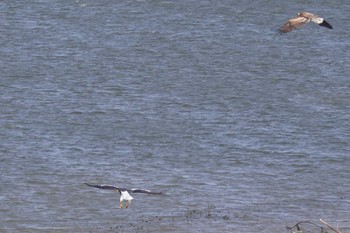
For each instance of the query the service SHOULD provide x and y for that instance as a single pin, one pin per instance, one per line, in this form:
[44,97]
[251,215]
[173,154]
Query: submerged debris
[175,222]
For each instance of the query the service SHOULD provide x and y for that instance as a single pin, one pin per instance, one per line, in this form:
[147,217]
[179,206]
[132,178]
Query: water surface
[244,130]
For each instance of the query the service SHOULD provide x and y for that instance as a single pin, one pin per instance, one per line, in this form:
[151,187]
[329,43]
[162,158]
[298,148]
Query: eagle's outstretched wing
[103,186]
[111,187]
[144,191]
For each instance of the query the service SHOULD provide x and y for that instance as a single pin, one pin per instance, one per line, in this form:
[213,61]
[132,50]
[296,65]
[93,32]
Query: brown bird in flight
[300,20]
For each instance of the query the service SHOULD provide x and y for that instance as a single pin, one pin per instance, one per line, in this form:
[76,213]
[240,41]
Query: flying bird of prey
[124,193]
[300,20]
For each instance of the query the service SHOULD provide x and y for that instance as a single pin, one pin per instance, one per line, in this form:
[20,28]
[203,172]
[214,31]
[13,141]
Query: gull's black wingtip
[280,32]
[326,24]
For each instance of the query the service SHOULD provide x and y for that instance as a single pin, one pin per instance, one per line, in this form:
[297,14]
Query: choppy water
[245,131]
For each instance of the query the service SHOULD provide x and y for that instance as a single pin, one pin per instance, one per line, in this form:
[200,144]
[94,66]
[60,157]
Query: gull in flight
[124,193]
[300,20]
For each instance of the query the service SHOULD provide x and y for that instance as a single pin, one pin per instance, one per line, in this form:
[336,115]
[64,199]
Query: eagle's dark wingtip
[158,193]
[145,191]
[102,186]
[326,24]
[91,185]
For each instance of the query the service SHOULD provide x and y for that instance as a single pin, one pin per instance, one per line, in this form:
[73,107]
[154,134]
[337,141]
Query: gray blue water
[244,130]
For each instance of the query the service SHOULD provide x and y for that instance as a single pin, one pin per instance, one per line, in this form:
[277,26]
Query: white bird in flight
[124,193]
[300,20]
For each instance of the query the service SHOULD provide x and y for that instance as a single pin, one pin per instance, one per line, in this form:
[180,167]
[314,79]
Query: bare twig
[299,227]
[329,226]
[306,222]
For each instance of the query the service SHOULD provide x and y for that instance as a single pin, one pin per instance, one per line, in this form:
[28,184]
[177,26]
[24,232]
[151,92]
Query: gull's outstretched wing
[302,19]
[292,24]
[103,186]
[325,24]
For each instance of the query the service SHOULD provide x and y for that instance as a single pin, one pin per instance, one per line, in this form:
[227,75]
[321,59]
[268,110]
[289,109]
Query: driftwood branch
[329,226]
[301,227]
[298,225]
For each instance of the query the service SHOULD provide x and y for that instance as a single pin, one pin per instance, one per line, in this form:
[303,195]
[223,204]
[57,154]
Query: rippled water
[244,130]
